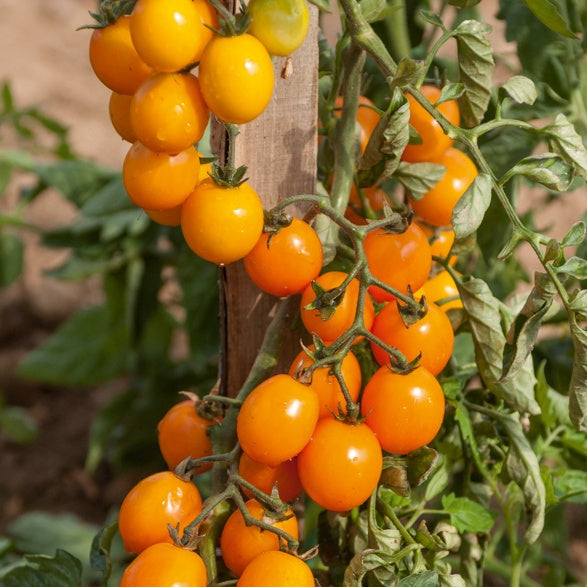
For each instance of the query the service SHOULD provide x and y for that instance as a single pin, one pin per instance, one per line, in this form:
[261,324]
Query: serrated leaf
[476,64]
[564,140]
[467,515]
[548,169]
[575,235]
[578,386]
[11,258]
[574,267]
[419,178]
[470,209]
[547,13]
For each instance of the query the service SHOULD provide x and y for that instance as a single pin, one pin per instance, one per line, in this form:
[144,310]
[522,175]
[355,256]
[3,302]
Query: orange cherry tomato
[277,419]
[168,112]
[404,411]
[274,568]
[344,314]
[375,198]
[165,565]
[441,287]
[114,58]
[437,204]
[367,119]
[434,141]
[341,465]
[432,336]
[441,241]
[399,260]
[153,503]
[119,112]
[240,543]
[264,477]
[325,384]
[285,262]
[169,217]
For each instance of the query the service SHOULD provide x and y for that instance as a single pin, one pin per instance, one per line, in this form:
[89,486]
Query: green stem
[396,26]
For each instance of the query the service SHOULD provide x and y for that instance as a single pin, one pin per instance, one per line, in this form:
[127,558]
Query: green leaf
[450,92]
[578,302]
[89,349]
[569,485]
[575,235]
[11,258]
[521,89]
[470,209]
[61,570]
[100,559]
[467,515]
[548,169]
[408,71]
[426,579]
[564,140]
[547,13]
[432,18]
[17,424]
[578,386]
[574,267]
[419,178]
[373,10]
[475,57]
[553,405]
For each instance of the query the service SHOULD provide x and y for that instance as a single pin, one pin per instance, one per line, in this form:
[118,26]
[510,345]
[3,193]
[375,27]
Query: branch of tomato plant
[396,26]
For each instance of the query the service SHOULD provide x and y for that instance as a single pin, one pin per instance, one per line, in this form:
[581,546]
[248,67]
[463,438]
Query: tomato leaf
[565,141]
[574,267]
[426,579]
[373,10]
[100,553]
[17,424]
[554,407]
[521,89]
[419,178]
[575,235]
[578,302]
[61,570]
[470,209]
[547,13]
[432,18]
[578,386]
[408,71]
[548,169]
[467,515]
[11,258]
[476,66]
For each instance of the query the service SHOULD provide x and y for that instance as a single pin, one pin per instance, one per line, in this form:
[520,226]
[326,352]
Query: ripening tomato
[441,287]
[432,336]
[119,112]
[275,568]
[281,25]
[367,119]
[398,260]
[340,466]
[159,181]
[168,112]
[114,58]
[222,224]
[437,204]
[236,76]
[285,262]
[434,141]
[325,384]
[375,198]
[165,565]
[277,419]
[344,313]
[264,477]
[404,411]
[182,433]
[171,35]
[441,241]
[153,503]
[240,543]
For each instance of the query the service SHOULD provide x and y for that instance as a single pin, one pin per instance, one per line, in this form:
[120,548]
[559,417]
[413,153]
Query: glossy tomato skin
[264,477]
[342,318]
[281,25]
[432,336]
[399,260]
[222,224]
[182,433]
[114,58]
[159,181]
[165,565]
[436,206]
[153,503]
[441,240]
[326,385]
[236,76]
[276,420]
[171,35]
[441,287]
[119,112]
[434,141]
[285,262]
[168,112]
[276,569]
[341,465]
[404,411]
[240,543]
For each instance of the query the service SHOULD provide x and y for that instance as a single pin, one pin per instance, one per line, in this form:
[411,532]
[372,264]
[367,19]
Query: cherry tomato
[182,433]
[236,76]
[119,111]
[240,544]
[367,119]
[441,287]
[276,420]
[222,224]
[114,58]
[399,260]
[153,503]
[344,313]
[171,35]
[437,204]
[168,112]
[434,141]
[276,569]
[375,198]
[165,565]
[281,25]
[264,477]
[441,241]
[341,465]
[432,336]
[326,385]
[404,411]
[285,262]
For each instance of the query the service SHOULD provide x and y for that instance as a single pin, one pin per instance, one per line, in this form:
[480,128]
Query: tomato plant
[276,569]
